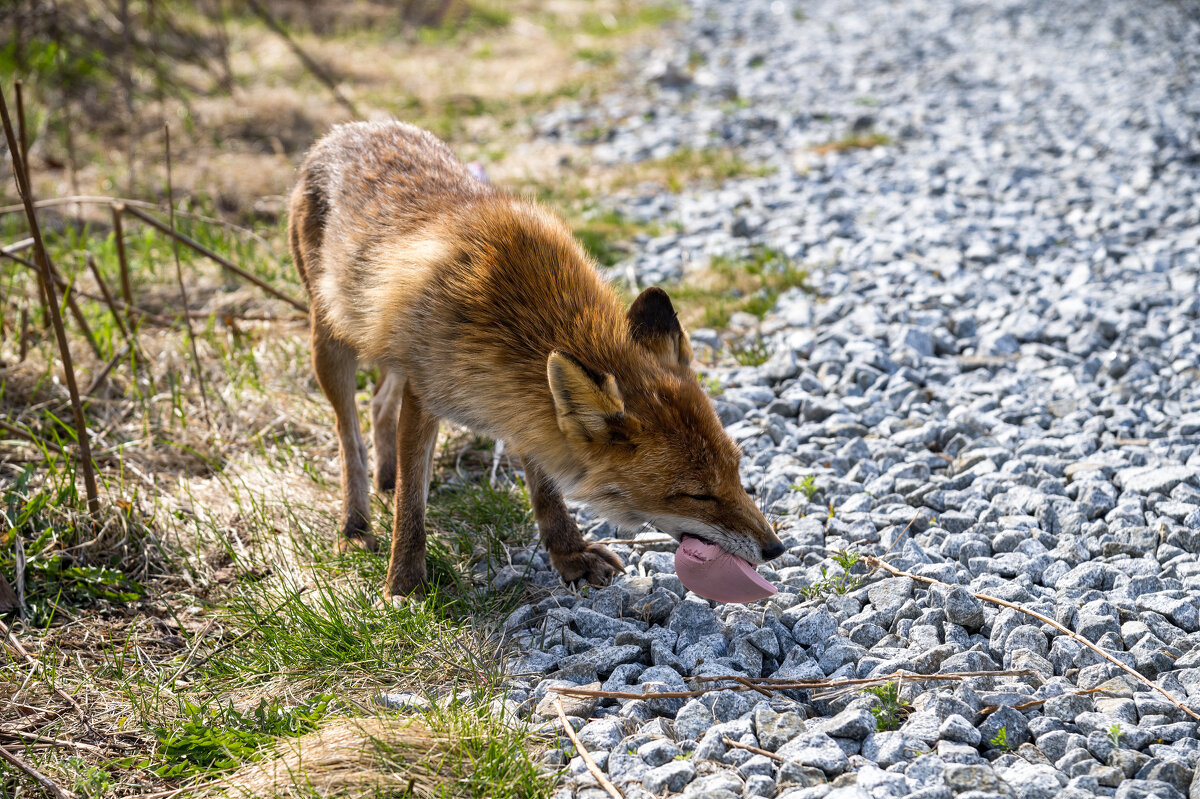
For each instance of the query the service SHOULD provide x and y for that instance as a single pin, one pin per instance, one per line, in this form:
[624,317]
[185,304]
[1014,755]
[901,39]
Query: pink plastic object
[716,574]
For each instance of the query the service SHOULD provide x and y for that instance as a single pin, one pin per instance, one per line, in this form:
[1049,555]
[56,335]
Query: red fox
[481,308]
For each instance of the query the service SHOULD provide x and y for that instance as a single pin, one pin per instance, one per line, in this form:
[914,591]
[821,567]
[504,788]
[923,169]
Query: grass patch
[687,166]
[750,284]
[607,235]
[857,141]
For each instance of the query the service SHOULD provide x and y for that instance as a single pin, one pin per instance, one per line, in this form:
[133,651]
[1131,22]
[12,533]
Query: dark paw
[385,478]
[356,534]
[594,563]
[405,582]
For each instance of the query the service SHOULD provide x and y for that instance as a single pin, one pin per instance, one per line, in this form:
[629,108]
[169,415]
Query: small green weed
[752,353]
[711,385]
[807,486]
[842,584]
[1000,740]
[890,711]
[1114,735]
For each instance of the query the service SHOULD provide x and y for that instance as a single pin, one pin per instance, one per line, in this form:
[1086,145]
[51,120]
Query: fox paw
[593,563]
[357,536]
[405,585]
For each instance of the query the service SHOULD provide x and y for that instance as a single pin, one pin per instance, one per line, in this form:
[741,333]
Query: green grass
[856,141]
[842,583]
[687,166]
[750,284]
[890,712]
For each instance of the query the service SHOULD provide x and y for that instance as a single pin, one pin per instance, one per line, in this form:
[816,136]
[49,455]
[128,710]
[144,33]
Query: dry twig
[587,758]
[20,650]
[879,564]
[730,742]
[48,785]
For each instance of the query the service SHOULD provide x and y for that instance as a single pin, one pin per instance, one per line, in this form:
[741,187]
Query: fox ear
[654,325]
[585,405]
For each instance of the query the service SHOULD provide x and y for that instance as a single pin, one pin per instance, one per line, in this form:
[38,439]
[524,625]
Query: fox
[480,308]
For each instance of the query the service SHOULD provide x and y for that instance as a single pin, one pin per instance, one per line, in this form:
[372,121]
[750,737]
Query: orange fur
[483,309]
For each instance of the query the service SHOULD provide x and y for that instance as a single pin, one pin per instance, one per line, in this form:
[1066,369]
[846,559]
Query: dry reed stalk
[43,260]
[22,130]
[879,564]
[123,264]
[108,298]
[27,736]
[19,433]
[143,314]
[223,261]
[68,295]
[48,785]
[583,752]
[102,375]
[103,199]
[23,345]
[183,298]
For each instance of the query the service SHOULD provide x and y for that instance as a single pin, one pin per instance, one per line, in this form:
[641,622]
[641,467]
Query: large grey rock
[815,749]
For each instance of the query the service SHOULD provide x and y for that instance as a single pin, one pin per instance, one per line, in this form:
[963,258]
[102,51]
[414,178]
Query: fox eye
[701,497]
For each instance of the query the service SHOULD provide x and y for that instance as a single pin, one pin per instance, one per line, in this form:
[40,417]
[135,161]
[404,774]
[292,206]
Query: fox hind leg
[573,557]
[335,365]
[385,414]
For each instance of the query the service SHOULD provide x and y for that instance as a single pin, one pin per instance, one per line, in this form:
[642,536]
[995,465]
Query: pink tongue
[716,574]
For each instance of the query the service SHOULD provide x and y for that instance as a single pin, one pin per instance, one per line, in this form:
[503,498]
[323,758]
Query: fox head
[647,444]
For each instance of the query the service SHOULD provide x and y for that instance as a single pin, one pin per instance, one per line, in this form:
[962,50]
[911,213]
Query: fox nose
[774,550]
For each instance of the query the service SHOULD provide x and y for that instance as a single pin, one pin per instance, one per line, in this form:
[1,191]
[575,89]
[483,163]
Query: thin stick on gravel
[768,684]
[587,758]
[749,748]
[879,564]
[48,785]
[223,261]
[183,298]
[43,260]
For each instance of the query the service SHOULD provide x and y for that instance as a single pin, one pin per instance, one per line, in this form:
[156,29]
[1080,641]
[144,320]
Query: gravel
[994,380]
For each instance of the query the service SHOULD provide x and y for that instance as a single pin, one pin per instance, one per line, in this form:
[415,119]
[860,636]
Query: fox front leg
[573,557]
[416,434]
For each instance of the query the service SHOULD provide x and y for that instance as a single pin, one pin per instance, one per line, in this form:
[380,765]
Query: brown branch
[879,564]
[25,434]
[223,261]
[587,758]
[43,261]
[28,736]
[48,785]
[123,263]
